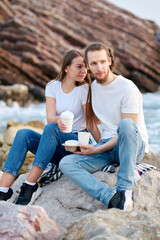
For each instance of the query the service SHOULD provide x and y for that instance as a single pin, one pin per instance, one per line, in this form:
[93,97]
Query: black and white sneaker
[122,200]
[26,193]
[7,195]
[50,174]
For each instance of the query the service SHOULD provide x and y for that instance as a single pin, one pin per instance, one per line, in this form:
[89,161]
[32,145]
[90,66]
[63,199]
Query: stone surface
[26,222]
[65,202]
[8,137]
[35,34]
[16,92]
[113,224]
[1,139]
[68,205]
[151,158]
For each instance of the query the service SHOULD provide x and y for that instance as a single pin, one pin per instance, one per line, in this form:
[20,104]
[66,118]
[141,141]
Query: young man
[117,103]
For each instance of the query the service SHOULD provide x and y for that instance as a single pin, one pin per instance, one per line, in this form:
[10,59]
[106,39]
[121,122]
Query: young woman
[68,92]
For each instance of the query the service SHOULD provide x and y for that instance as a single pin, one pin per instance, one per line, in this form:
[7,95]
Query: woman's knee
[50,128]
[23,133]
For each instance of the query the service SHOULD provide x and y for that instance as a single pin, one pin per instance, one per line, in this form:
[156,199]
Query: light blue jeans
[46,147]
[128,151]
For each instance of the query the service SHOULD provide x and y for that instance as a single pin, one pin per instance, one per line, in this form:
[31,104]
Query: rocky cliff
[34,34]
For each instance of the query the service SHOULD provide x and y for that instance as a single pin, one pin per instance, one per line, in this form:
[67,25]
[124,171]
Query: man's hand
[89,149]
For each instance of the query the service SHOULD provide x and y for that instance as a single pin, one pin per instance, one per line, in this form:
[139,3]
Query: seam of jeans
[142,149]
[32,140]
[9,171]
[40,165]
[20,162]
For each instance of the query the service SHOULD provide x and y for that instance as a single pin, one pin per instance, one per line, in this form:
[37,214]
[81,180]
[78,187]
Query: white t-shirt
[109,101]
[72,101]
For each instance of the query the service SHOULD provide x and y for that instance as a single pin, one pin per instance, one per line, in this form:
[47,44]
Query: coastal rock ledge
[80,217]
[65,202]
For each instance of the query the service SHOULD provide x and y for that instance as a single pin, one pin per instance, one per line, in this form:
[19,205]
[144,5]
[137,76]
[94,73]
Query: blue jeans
[47,147]
[128,151]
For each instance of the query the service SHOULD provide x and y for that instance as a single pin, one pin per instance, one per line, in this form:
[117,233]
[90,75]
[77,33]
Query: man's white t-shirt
[110,100]
[72,101]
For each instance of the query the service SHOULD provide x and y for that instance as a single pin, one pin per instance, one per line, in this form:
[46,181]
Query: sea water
[151,106]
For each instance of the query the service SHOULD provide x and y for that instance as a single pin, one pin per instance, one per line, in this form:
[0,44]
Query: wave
[151,106]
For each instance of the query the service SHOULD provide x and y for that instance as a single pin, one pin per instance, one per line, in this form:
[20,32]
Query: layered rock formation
[35,34]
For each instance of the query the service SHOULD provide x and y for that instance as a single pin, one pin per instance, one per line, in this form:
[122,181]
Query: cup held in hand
[83,138]
[67,119]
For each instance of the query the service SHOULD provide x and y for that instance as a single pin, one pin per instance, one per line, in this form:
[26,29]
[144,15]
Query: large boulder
[152,158]
[34,35]
[8,137]
[26,222]
[64,201]
[113,224]
[16,92]
[69,206]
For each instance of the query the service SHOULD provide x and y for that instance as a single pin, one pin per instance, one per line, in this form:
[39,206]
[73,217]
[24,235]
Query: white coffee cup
[83,138]
[67,119]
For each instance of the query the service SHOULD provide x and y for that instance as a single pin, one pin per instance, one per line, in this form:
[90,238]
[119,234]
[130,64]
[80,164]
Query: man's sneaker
[122,200]
[7,195]
[53,174]
[48,168]
[26,193]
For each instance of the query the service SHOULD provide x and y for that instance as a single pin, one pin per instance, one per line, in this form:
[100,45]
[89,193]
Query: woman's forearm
[53,119]
[107,146]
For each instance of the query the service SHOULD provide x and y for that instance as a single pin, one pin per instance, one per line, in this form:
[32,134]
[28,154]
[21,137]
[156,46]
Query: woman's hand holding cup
[61,125]
[66,121]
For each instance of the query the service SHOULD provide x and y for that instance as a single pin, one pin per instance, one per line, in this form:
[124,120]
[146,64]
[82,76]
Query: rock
[34,36]
[12,128]
[113,224]
[1,139]
[153,159]
[33,123]
[64,201]
[16,92]
[146,193]
[26,222]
